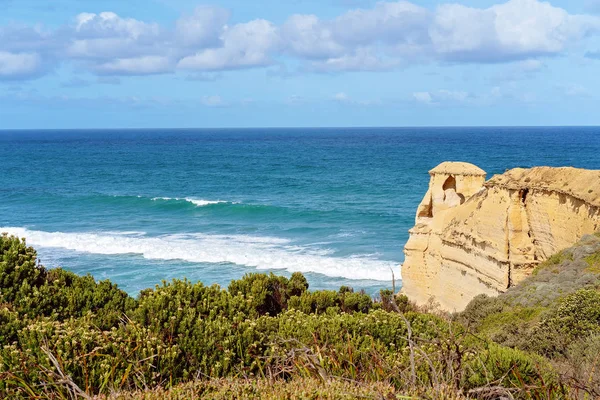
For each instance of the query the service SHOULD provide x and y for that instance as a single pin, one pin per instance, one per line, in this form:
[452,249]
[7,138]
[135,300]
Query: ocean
[210,205]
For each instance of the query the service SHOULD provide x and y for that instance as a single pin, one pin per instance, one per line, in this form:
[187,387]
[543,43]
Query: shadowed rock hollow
[475,237]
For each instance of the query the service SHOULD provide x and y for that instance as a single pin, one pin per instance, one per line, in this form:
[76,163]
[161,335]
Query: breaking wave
[260,252]
[196,202]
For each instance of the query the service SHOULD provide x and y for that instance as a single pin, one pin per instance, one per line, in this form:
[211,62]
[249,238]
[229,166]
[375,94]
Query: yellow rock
[473,237]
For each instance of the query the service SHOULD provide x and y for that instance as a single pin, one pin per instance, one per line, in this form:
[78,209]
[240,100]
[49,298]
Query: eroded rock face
[473,237]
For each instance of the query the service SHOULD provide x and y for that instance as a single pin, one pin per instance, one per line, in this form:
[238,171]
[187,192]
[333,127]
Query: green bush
[266,294]
[509,368]
[479,309]
[548,311]
[57,327]
[18,269]
[10,324]
[575,317]
[316,302]
[123,358]
[33,290]
[581,367]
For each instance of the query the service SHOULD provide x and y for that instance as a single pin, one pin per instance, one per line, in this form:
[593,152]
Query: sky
[298,63]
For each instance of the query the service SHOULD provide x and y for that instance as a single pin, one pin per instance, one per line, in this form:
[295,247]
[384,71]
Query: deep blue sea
[140,206]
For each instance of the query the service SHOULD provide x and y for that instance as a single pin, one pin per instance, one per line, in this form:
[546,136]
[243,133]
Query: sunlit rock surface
[473,237]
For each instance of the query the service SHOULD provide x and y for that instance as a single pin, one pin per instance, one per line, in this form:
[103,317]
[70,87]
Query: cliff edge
[475,237]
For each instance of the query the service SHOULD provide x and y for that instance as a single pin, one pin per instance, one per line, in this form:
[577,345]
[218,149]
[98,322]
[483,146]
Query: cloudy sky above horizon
[235,63]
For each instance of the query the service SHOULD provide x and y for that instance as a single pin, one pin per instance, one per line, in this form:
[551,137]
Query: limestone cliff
[473,236]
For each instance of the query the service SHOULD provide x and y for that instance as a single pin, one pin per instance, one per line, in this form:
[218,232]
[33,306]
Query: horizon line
[301,127]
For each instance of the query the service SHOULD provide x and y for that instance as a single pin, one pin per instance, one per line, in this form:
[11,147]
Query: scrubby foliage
[265,389]
[554,313]
[62,335]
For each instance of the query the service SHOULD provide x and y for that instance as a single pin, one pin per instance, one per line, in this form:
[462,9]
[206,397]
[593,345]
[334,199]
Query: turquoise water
[140,206]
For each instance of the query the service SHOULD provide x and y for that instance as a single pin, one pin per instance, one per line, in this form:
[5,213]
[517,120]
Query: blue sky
[234,63]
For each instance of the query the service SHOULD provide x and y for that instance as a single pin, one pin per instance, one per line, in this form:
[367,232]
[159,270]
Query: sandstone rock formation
[474,237]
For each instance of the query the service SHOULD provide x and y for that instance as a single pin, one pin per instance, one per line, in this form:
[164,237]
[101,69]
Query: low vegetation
[554,313]
[67,336]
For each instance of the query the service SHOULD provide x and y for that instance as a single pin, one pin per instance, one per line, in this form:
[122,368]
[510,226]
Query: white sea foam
[125,233]
[260,252]
[197,202]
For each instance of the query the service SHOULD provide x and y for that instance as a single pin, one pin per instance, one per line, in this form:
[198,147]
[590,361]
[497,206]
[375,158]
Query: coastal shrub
[65,295]
[355,302]
[581,367]
[575,317]
[33,290]
[578,314]
[297,285]
[511,369]
[268,294]
[593,262]
[171,309]
[513,327]
[558,258]
[316,302]
[10,324]
[19,271]
[394,302]
[126,357]
[329,301]
[479,309]
[549,310]
[404,304]
[269,389]
[60,333]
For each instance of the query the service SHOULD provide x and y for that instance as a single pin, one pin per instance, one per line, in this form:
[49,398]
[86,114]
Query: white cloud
[423,97]
[145,65]
[202,28]
[517,29]
[19,65]
[359,39]
[109,24]
[21,38]
[345,99]
[363,59]
[456,98]
[213,101]
[386,36]
[106,35]
[244,45]
[342,97]
[388,22]
[307,36]
[398,33]
[441,97]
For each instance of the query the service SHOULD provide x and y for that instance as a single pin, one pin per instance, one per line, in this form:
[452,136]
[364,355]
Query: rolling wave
[260,252]
[196,202]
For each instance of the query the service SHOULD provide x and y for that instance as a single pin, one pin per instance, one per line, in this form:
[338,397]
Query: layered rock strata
[473,237]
